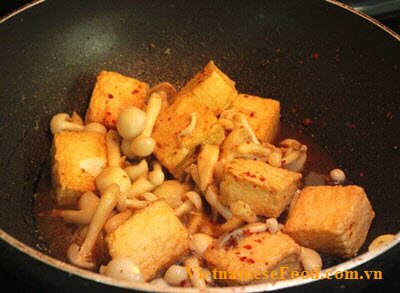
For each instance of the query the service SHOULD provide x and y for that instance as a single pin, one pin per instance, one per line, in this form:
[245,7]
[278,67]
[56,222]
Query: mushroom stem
[114,222]
[232,224]
[193,265]
[183,208]
[189,129]
[113,149]
[206,161]
[88,203]
[81,256]
[134,172]
[152,111]
[140,186]
[212,198]
[242,121]
[156,177]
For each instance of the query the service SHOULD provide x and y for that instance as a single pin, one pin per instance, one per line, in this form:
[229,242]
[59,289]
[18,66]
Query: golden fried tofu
[262,252]
[153,237]
[212,88]
[113,93]
[77,158]
[266,189]
[331,219]
[175,150]
[262,114]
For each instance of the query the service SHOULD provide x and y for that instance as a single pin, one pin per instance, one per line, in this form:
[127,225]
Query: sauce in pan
[56,235]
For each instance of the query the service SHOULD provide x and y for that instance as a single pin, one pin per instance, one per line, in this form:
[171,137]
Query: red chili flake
[315,56]
[243,258]
[258,240]
[250,260]
[237,252]
[352,125]
[283,162]
[307,121]
[108,113]
[110,96]
[232,242]
[361,174]
[247,142]
[247,232]
[262,179]
[252,114]
[114,121]
[248,246]
[152,46]
[389,115]
[277,50]
[183,283]
[135,92]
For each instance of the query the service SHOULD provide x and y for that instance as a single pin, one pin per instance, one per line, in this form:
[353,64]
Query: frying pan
[332,64]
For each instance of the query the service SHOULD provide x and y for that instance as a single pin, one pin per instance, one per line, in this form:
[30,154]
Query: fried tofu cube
[174,150]
[153,237]
[263,253]
[262,114]
[331,219]
[113,93]
[266,189]
[77,158]
[211,87]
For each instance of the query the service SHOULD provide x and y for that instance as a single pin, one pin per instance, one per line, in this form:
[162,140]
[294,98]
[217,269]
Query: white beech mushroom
[243,211]
[143,144]
[131,122]
[193,264]
[112,175]
[199,243]
[176,275]
[82,256]
[337,175]
[87,205]
[136,171]
[156,176]
[272,225]
[250,228]
[96,127]
[294,154]
[195,220]
[76,118]
[310,259]
[123,268]
[242,121]
[113,149]
[193,171]
[62,121]
[381,240]
[193,200]
[166,91]
[206,161]
[115,221]
[189,129]
[126,149]
[141,185]
[213,200]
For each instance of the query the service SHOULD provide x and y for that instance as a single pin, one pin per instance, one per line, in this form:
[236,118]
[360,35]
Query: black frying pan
[333,65]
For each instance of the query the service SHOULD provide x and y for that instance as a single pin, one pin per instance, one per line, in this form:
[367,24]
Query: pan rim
[70,269]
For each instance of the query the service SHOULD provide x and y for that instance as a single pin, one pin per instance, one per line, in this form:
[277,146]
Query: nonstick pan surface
[328,63]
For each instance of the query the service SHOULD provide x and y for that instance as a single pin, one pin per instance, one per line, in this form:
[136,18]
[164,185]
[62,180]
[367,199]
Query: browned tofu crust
[153,237]
[77,158]
[212,88]
[172,150]
[260,252]
[262,114]
[331,219]
[266,189]
[113,93]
